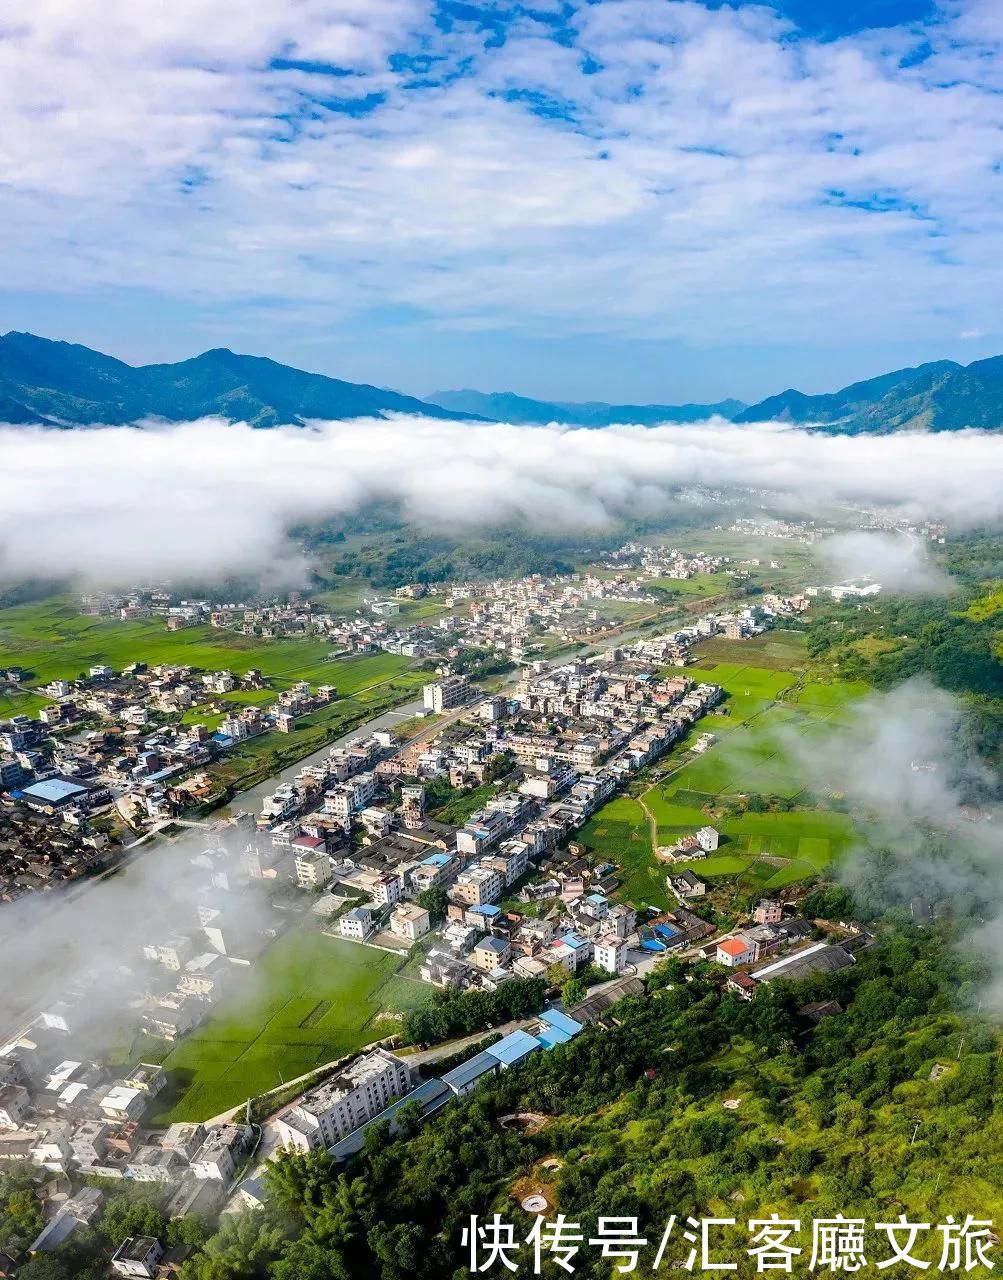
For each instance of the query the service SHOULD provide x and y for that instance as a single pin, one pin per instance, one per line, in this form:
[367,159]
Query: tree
[435,901]
[408,1118]
[574,991]
[243,1246]
[21,1217]
[127,1215]
[44,1266]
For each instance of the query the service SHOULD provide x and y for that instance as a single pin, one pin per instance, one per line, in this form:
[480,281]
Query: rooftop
[53,790]
[513,1048]
[471,1070]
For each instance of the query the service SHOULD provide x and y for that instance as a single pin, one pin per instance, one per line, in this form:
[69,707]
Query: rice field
[308,1000]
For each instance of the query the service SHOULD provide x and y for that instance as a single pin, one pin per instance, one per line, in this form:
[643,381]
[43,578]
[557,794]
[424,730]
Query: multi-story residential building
[340,1105]
[388,890]
[15,1104]
[491,953]
[611,953]
[410,921]
[477,885]
[219,1156]
[313,869]
[357,923]
[137,1256]
[444,694]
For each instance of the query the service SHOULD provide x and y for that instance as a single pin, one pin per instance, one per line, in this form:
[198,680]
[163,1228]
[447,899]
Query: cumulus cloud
[901,562]
[207,498]
[654,167]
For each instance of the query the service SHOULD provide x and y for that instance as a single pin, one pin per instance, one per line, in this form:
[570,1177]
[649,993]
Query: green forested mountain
[43,381]
[505,406]
[62,383]
[941,396]
[847,1116]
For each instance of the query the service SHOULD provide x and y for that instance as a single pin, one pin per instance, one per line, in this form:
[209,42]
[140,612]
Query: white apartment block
[313,869]
[388,890]
[611,953]
[339,1106]
[219,1156]
[445,694]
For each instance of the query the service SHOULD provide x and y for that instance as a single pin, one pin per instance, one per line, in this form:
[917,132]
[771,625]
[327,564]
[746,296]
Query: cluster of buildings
[334,1115]
[37,853]
[806,531]
[71,1118]
[776,944]
[518,894]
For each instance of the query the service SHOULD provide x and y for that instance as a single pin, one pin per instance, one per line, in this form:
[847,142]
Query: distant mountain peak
[52,382]
[507,406]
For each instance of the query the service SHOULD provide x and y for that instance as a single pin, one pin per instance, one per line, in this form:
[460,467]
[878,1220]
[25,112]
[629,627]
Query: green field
[53,640]
[309,1000]
[619,831]
[770,722]
[700,586]
[777,650]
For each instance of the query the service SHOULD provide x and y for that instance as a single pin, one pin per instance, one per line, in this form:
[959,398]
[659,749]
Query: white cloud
[717,176]
[197,499]
[899,561]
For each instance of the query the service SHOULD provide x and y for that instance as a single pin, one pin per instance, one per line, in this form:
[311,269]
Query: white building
[357,923]
[219,1156]
[313,869]
[123,1103]
[137,1256]
[15,1103]
[410,921]
[358,1093]
[387,890]
[447,693]
[611,953]
[708,839]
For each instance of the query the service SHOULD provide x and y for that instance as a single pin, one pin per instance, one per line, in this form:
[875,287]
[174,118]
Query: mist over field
[194,500]
[930,830]
[84,947]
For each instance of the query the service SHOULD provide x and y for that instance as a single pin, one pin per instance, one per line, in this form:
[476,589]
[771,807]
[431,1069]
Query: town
[357,846]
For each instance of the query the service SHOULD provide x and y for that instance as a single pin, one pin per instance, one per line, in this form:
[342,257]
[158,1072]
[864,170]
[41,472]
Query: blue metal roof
[53,790]
[435,860]
[469,1071]
[561,1022]
[485,909]
[551,1037]
[513,1048]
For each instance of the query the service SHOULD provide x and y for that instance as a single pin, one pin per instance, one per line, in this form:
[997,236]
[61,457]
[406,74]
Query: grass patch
[308,1000]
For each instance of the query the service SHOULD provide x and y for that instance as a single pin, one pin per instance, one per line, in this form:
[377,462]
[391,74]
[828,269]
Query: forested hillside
[842,1116]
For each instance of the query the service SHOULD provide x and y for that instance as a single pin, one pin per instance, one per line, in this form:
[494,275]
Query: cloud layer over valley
[209,498]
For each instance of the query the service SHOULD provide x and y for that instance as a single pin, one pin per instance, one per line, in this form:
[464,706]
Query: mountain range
[59,383]
[505,406]
[62,384]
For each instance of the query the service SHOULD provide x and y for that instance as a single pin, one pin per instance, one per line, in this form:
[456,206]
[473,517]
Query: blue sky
[625,199]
